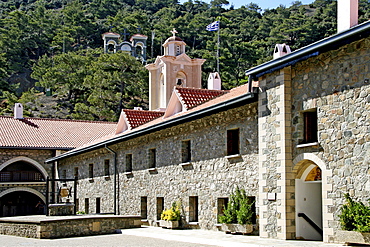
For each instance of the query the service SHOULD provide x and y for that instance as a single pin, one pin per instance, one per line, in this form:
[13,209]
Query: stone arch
[28,160]
[305,161]
[26,189]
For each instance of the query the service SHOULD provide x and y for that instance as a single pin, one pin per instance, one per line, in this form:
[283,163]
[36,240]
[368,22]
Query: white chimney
[214,81]
[18,111]
[281,50]
[347,15]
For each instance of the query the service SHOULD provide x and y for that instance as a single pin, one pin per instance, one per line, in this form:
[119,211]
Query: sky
[264,4]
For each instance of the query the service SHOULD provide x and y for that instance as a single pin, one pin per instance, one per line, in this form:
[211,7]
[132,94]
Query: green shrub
[238,209]
[355,216]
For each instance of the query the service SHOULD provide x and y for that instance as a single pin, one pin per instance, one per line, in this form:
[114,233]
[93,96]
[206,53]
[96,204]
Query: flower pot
[353,237]
[168,224]
[237,228]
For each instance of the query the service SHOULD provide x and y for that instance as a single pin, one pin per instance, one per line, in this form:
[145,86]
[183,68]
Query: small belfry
[174,68]
[136,46]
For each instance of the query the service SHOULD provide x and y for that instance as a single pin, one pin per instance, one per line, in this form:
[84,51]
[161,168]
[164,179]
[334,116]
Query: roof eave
[248,97]
[314,49]
[37,148]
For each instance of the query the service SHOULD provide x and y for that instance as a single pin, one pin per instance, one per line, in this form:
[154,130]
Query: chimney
[281,50]
[347,15]
[18,111]
[214,81]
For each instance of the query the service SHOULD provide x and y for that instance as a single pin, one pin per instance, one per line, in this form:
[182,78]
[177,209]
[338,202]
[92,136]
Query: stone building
[25,144]
[196,148]
[296,137]
[136,46]
[314,134]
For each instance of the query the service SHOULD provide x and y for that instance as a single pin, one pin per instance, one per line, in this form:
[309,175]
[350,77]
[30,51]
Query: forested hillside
[57,44]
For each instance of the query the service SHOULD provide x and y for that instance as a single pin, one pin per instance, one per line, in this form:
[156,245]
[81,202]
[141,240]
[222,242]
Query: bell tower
[174,68]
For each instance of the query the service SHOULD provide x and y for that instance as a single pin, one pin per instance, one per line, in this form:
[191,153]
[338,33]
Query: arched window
[181,79]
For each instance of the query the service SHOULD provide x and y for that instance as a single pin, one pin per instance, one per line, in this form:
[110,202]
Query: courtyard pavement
[158,237]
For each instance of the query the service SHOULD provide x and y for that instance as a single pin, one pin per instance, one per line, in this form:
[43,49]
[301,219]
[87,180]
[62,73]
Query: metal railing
[21,176]
[313,224]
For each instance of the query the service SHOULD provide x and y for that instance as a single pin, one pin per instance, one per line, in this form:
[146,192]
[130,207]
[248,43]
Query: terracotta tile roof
[136,118]
[229,95]
[192,97]
[50,133]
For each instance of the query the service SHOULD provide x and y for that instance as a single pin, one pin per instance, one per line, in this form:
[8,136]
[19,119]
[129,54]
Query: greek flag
[214,26]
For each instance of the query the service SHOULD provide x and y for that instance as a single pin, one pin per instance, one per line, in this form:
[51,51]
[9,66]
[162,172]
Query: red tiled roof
[136,118]
[50,133]
[193,97]
[226,96]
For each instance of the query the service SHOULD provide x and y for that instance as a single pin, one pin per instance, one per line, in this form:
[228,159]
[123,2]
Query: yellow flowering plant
[172,214]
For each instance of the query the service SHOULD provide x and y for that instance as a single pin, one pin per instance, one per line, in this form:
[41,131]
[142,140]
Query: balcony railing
[21,176]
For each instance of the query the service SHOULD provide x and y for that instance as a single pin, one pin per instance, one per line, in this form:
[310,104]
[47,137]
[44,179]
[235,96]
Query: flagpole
[218,48]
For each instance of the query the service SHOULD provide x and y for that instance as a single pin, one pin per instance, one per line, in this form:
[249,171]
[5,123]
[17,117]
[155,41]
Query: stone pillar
[276,180]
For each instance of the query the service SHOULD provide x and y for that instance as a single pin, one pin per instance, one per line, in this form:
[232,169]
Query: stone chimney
[347,15]
[18,111]
[214,81]
[281,50]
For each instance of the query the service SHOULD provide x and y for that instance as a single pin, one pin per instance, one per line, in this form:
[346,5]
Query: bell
[64,191]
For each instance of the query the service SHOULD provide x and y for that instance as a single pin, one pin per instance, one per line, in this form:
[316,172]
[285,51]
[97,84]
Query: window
[310,126]
[232,141]
[106,167]
[152,158]
[221,205]
[75,174]
[64,174]
[91,170]
[160,207]
[128,162]
[144,207]
[185,151]
[77,203]
[87,206]
[193,209]
[97,205]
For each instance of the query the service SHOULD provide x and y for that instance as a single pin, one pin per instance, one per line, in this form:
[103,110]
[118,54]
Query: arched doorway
[308,198]
[21,202]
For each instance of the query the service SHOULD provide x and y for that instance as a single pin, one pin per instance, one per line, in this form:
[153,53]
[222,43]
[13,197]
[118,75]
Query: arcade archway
[21,201]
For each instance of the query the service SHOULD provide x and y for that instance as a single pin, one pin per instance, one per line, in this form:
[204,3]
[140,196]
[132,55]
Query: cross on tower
[174,32]
[125,34]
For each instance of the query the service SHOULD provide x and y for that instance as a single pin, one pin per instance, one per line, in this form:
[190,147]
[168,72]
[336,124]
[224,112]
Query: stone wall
[51,227]
[336,84]
[23,230]
[210,175]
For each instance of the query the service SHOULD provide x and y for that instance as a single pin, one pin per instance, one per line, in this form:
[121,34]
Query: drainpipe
[250,84]
[115,179]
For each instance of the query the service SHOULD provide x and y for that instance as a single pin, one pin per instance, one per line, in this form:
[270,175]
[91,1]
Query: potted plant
[355,222]
[238,213]
[170,218]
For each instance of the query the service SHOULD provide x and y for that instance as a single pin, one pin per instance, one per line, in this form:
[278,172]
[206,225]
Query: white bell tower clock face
[126,48]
